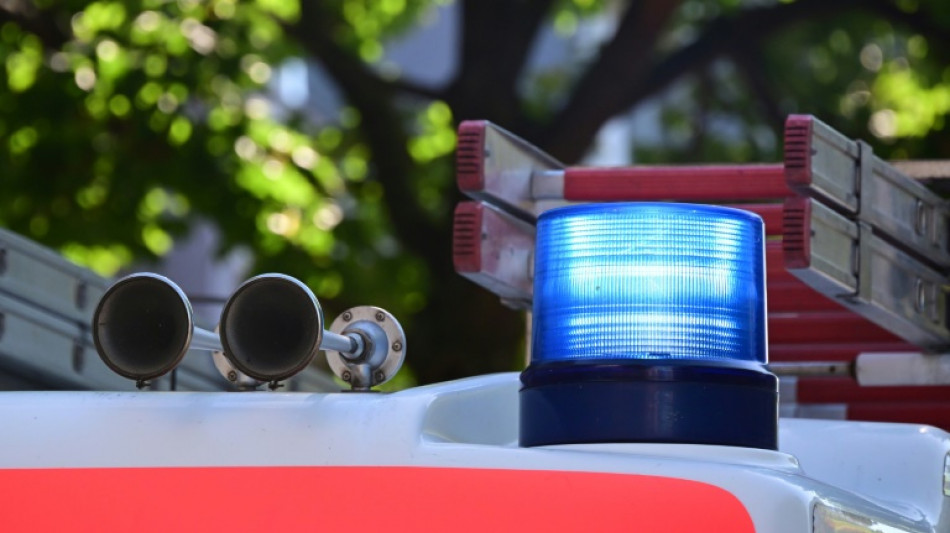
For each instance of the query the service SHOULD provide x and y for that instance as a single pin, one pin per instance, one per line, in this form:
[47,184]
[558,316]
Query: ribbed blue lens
[649,281]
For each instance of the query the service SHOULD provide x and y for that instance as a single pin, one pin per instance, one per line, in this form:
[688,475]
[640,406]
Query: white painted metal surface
[891,473]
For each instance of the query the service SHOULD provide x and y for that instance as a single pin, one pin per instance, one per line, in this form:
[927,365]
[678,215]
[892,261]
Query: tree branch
[589,109]
[620,65]
[408,87]
[700,116]
[497,37]
[747,60]
[382,126]
[444,344]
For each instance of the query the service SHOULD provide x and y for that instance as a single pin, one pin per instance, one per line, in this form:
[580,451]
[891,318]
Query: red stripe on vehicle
[358,499]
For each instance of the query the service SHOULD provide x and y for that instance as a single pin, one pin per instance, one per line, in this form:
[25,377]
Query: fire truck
[674,312]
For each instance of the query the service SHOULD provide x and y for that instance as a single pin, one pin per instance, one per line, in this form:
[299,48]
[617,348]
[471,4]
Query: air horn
[144,325]
[271,328]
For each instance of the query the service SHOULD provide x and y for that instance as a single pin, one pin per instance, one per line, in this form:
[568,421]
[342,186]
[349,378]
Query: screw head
[347,316]
[380,377]
[397,346]
[380,317]
[347,376]
[232,376]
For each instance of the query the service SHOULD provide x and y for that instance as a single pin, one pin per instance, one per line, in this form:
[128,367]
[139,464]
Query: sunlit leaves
[905,105]
[98,17]
[157,240]
[92,195]
[145,93]
[22,65]
[179,131]
[256,69]
[224,9]
[286,10]
[150,27]
[370,22]
[436,137]
[119,105]
[568,14]
[899,91]
[22,140]
[153,115]
[274,179]
[105,259]
[159,201]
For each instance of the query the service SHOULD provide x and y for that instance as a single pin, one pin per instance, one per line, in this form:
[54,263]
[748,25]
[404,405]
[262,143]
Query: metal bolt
[347,316]
[3,261]
[380,377]
[397,346]
[232,375]
[380,316]
[347,376]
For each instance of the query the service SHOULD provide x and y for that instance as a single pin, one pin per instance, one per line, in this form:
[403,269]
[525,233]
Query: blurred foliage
[122,123]
[150,115]
[870,76]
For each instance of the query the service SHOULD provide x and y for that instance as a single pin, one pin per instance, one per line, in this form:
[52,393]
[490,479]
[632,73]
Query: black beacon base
[648,401]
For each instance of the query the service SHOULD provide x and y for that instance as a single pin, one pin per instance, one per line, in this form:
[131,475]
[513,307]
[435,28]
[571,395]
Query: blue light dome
[649,281]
